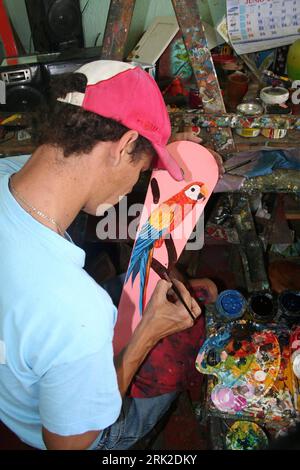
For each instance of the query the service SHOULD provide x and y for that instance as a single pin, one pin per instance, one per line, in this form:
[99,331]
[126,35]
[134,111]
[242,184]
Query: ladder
[188,17]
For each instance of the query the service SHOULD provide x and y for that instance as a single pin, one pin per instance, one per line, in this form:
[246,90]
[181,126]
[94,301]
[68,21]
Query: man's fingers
[195,308]
[183,292]
[162,288]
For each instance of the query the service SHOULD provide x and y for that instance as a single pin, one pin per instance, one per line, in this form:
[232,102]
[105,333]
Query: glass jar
[249,109]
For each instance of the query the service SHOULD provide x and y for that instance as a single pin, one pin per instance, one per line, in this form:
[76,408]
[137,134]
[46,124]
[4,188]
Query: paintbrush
[177,292]
[238,165]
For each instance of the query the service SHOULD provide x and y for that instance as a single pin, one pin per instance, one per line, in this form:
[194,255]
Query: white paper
[257,25]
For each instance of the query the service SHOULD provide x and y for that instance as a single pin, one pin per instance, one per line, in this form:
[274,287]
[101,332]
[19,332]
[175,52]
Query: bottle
[293,61]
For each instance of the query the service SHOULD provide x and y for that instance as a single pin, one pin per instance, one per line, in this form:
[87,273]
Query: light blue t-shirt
[56,329]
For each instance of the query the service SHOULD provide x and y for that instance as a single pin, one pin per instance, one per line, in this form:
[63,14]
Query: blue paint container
[289,306]
[231,304]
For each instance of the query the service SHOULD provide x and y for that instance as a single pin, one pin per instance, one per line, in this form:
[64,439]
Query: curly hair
[76,130]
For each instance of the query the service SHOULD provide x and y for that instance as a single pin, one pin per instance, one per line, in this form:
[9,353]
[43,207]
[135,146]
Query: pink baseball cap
[129,95]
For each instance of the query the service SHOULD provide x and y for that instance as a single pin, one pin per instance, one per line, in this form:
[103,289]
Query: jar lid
[250,109]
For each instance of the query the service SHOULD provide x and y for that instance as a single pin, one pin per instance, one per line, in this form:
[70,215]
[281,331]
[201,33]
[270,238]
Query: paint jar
[237,87]
[231,304]
[295,350]
[262,306]
[276,109]
[274,133]
[274,95]
[249,109]
[289,307]
[195,100]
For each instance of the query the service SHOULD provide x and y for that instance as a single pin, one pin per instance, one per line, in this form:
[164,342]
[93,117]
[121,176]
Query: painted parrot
[162,221]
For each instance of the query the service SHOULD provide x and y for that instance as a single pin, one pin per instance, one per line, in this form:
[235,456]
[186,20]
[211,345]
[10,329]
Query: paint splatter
[245,435]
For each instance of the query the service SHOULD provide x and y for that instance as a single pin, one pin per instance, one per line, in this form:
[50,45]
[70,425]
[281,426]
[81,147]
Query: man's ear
[124,146]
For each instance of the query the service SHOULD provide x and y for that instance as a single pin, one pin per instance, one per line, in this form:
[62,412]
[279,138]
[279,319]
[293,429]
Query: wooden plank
[6,33]
[188,17]
[117,28]
[266,121]
[254,264]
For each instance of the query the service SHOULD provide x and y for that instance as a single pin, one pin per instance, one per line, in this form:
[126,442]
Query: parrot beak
[203,193]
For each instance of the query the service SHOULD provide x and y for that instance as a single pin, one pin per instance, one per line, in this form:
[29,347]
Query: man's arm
[161,318]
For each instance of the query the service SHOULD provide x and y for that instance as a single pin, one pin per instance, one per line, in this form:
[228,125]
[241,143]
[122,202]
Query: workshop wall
[95,15]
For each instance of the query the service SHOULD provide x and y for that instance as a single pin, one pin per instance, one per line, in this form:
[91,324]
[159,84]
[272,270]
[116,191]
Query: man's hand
[165,317]
[191,134]
[161,318]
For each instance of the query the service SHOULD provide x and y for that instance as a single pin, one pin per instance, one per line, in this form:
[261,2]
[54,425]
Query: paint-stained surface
[267,121]
[187,13]
[245,435]
[253,367]
[117,28]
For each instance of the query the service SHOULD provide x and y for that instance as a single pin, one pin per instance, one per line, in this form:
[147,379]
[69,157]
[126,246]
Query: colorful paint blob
[245,359]
[246,435]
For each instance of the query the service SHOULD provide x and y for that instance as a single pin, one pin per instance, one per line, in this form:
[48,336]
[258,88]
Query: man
[59,388]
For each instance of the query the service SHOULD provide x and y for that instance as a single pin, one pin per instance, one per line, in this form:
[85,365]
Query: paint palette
[245,435]
[245,358]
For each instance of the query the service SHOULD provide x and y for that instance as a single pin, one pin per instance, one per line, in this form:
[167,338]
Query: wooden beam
[266,121]
[188,17]
[117,28]
[6,33]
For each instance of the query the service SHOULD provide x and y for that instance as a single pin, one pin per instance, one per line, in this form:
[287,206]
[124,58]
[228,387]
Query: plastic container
[262,306]
[231,304]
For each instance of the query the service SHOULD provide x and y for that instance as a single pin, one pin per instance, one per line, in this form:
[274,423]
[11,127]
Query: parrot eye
[192,189]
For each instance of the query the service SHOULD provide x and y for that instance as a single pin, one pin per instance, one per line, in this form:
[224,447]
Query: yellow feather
[162,217]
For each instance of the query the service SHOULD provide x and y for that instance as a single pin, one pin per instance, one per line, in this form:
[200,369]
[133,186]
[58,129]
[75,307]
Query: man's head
[122,93]
[111,102]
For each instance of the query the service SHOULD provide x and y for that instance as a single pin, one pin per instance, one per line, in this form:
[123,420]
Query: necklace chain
[35,210]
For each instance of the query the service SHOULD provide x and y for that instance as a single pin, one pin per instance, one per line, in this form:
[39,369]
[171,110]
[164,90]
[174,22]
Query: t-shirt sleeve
[80,396]
[13,164]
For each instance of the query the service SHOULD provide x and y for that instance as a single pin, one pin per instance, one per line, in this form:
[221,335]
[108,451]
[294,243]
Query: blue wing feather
[140,255]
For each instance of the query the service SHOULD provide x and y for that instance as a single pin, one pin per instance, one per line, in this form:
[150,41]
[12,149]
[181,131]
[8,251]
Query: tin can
[276,109]
[249,109]
[274,133]
[295,350]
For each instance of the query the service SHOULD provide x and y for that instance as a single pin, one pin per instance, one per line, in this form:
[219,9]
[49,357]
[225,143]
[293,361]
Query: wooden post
[117,28]
[187,13]
[6,33]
